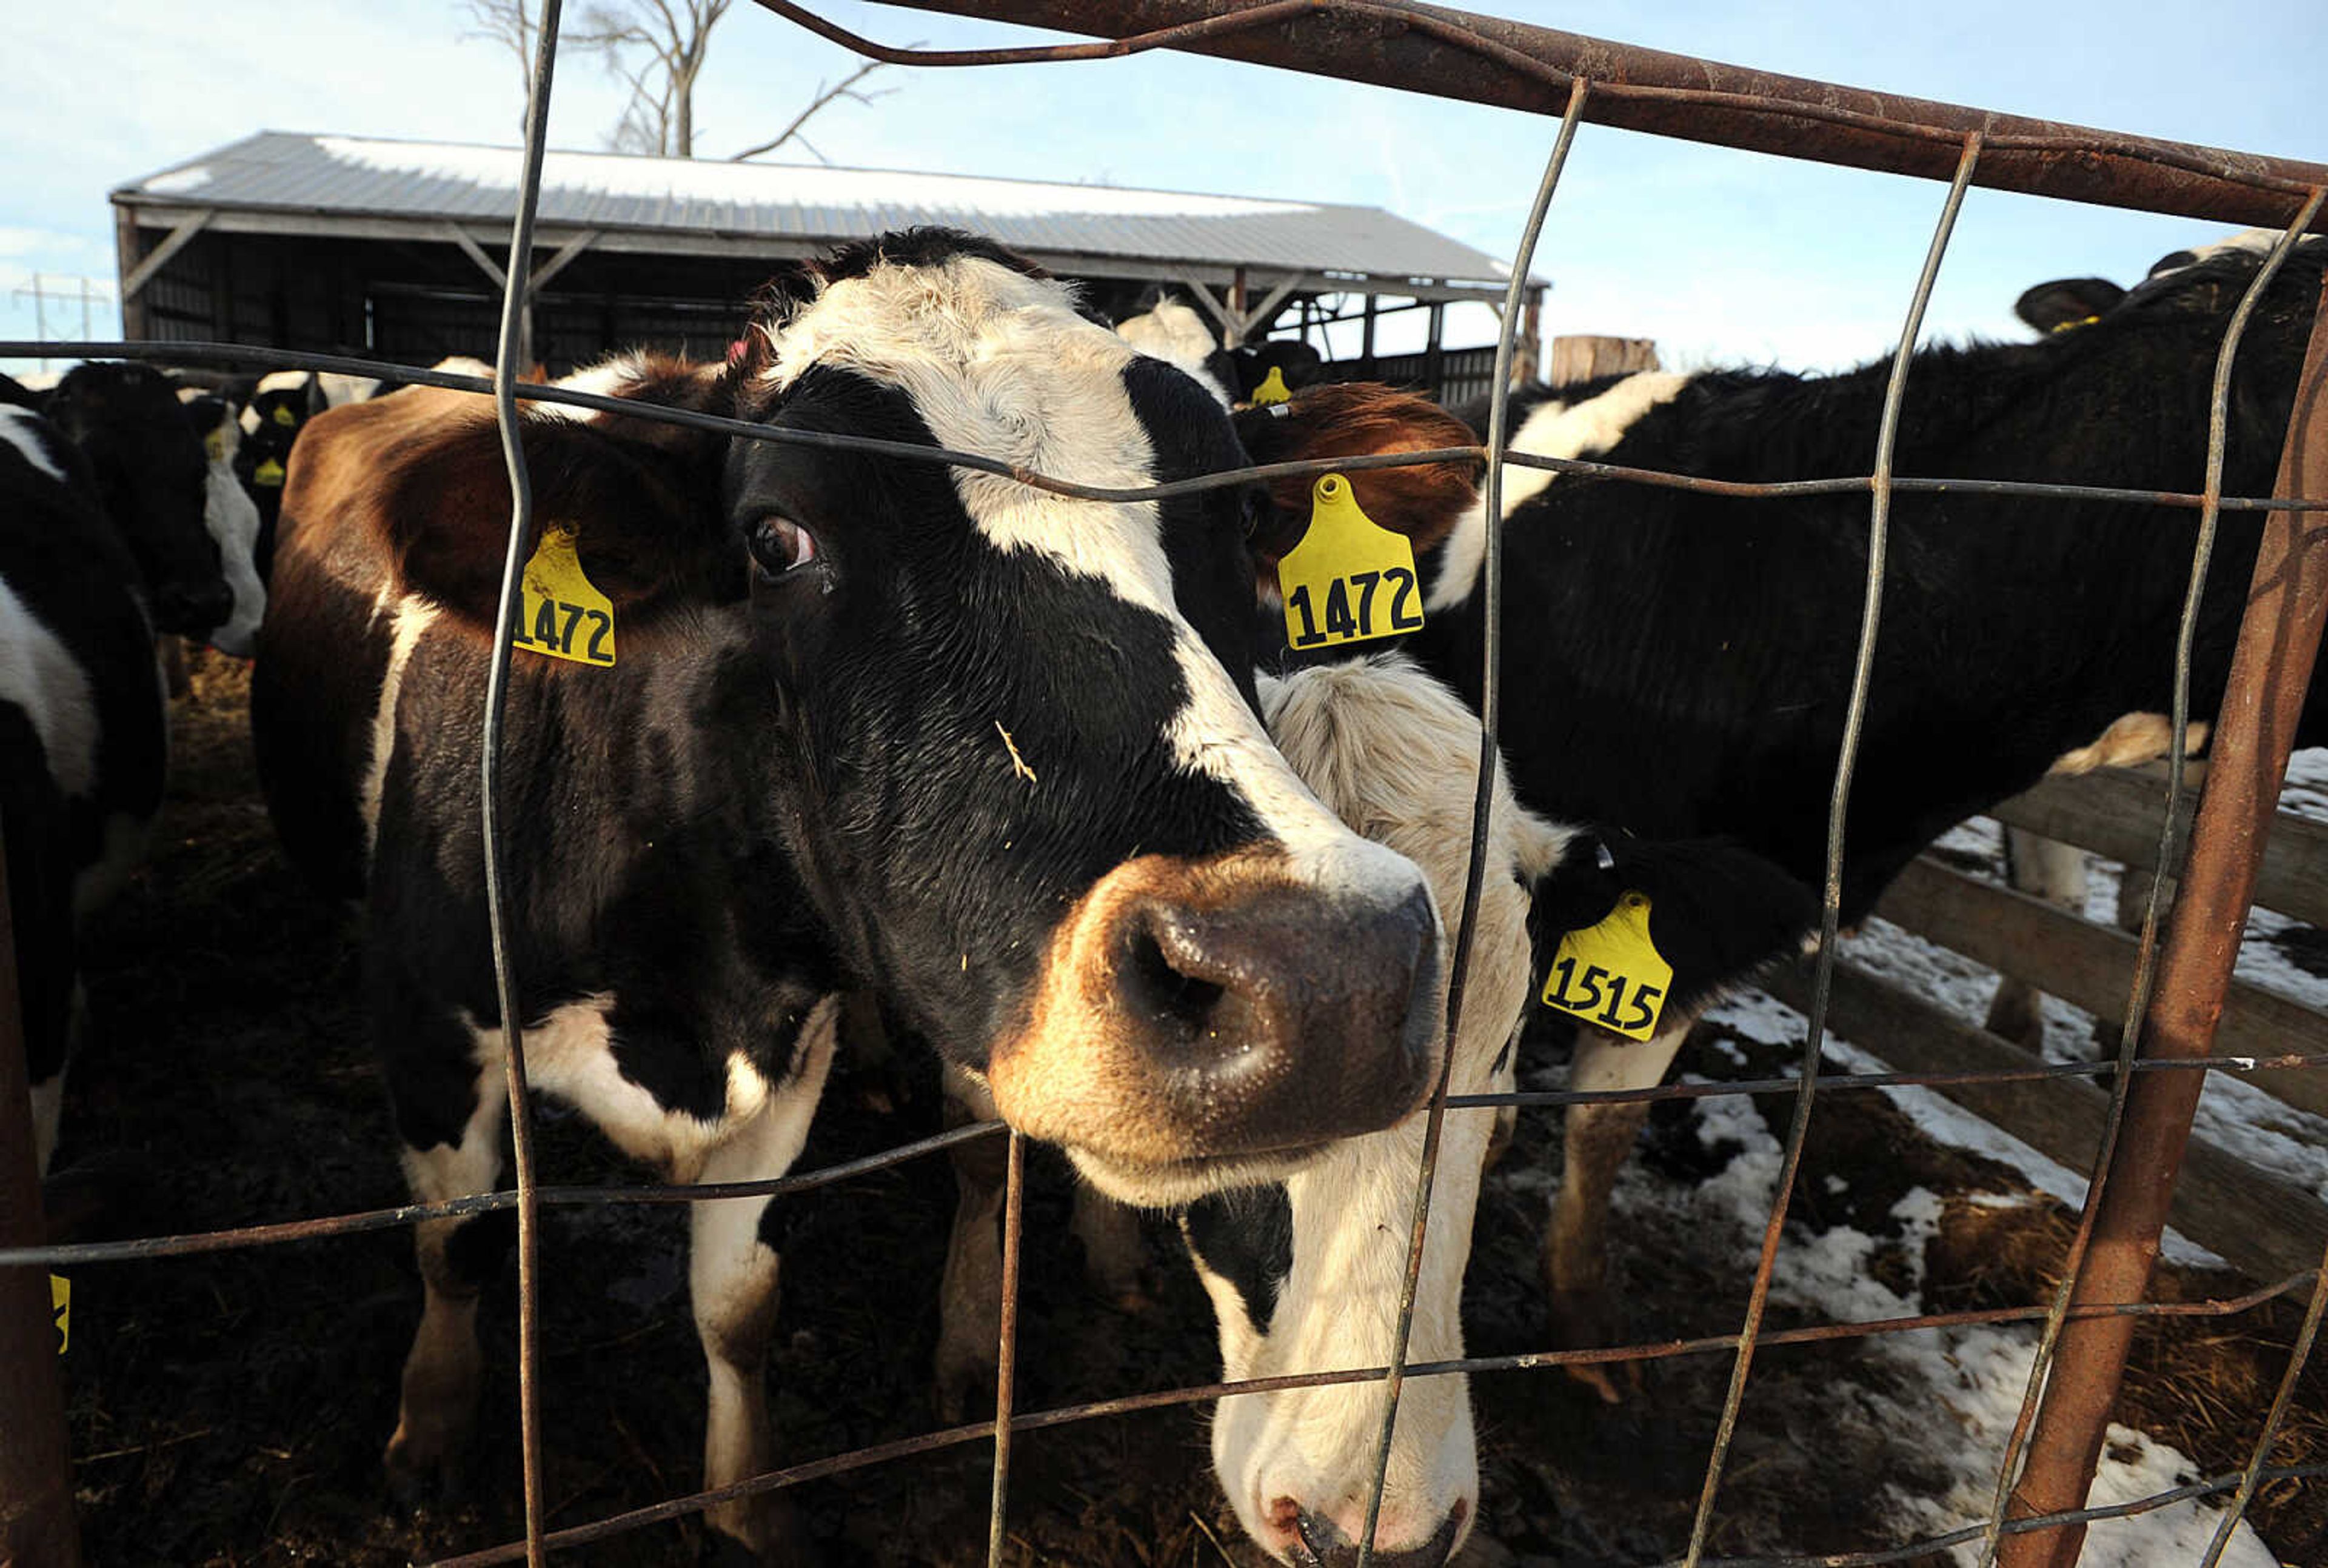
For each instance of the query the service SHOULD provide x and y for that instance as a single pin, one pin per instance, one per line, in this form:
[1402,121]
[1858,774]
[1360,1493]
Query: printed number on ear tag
[1349,579]
[60,1309]
[1612,974]
[563,616]
[1272,389]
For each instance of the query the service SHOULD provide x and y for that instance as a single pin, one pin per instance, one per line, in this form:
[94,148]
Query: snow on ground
[1958,1390]
[1974,1378]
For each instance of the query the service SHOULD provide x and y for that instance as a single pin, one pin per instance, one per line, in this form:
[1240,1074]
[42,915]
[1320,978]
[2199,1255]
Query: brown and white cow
[869,723]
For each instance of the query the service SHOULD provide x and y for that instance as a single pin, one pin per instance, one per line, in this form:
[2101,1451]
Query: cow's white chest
[569,1053]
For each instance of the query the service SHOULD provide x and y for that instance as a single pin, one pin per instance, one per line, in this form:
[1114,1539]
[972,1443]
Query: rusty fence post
[36,1517]
[2271,670]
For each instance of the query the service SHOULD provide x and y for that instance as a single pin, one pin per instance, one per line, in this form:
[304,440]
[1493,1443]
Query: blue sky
[1722,257]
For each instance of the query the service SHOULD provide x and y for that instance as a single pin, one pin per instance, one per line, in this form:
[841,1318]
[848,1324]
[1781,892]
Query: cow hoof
[418,1483]
[1586,1320]
[788,1546]
[966,1386]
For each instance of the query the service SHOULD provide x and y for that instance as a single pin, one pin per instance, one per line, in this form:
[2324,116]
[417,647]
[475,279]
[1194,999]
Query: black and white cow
[82,733]
[869,724]
[1677,664]
[233,518]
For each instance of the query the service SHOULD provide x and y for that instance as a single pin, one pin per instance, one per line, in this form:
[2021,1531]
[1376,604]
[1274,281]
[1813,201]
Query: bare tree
[658,47]
[516,26]
[845,87]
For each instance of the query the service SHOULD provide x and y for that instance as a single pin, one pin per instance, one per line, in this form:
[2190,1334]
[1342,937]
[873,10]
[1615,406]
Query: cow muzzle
[1199,1025]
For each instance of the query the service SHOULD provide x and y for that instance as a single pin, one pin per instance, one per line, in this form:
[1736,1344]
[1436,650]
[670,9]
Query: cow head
[1033,795]
[1306,1274]
[152,481]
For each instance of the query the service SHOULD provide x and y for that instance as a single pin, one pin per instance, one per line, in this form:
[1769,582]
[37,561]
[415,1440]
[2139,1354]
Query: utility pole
[41,295]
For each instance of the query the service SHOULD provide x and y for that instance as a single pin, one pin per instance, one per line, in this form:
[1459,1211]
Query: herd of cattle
[1041,776]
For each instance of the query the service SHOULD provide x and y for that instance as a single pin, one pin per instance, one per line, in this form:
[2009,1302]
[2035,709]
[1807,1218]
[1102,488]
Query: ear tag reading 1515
[1349,579]
[1272,389]
[1612,974]
[563,616]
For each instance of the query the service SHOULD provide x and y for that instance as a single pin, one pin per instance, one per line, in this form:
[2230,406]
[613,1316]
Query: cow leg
[1115,1254]
[2055,872]
[970,1294]
[732,1283]
[1595,1143]
[457,1257]
[46,1066]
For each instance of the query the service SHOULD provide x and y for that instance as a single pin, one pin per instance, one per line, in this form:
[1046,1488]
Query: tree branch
[846,89]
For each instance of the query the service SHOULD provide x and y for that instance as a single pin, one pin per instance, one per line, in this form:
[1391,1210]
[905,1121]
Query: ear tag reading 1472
[1612,974]
[1348,579]
[563,616]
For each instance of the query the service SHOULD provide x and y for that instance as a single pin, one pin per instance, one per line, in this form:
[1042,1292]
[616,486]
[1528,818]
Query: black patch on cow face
[1204,533]
[1246,1238]
[910,656]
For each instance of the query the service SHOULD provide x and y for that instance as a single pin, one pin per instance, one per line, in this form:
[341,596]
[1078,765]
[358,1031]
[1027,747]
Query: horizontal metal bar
[200,1242]
[209,353]
[1433,49]
[1065,1415]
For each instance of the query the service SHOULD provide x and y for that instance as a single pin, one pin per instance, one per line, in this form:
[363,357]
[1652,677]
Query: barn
[394,248]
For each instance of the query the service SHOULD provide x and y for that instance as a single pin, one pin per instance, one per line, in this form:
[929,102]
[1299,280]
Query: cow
[152,478]
[83,740]
[233,518]
[1677,662]
[860,722]
[277,405]
[1306,1274]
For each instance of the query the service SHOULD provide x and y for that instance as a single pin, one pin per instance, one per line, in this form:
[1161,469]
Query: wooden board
[2091,966]
[2263,1225]
[2116,814]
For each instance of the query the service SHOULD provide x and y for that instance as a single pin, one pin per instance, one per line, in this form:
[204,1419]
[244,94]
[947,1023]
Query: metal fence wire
[2035,1518]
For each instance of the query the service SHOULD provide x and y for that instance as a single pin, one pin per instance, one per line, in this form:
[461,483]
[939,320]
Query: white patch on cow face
[31,435]
[410,617]
[1000,363]
[1395,754]
[39,675]
[232,519]
[1555,429]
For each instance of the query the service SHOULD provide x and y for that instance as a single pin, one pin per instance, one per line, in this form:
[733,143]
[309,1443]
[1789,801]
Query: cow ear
[645,513]
[1360,419]
[1719,913]
[2067,302]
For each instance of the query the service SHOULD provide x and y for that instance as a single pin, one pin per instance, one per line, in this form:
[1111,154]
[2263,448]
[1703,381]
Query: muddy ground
[230,1409]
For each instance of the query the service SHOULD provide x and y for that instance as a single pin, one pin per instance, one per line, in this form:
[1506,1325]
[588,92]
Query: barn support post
[137,321]
[1434,352]
[2270,673]
[36,1517]
[1366,339]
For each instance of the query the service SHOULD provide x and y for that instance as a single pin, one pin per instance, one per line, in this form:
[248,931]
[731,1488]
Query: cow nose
[191,608]
[1323,1543]
[1308,1023]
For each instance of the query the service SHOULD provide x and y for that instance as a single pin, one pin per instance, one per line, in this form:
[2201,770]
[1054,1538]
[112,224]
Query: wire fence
[2026,1520]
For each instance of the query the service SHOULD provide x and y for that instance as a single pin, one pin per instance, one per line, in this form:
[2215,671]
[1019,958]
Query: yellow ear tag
[214,443]
[1349,579]
[284,416]
[268,473]
[1272,389]
[1612,974]
[563,616]
[60,1307]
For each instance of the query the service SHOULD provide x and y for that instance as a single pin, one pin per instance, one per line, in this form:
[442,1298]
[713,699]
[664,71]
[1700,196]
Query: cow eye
[779,545]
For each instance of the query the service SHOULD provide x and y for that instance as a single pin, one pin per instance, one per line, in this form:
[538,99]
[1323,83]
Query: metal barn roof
[285,183]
